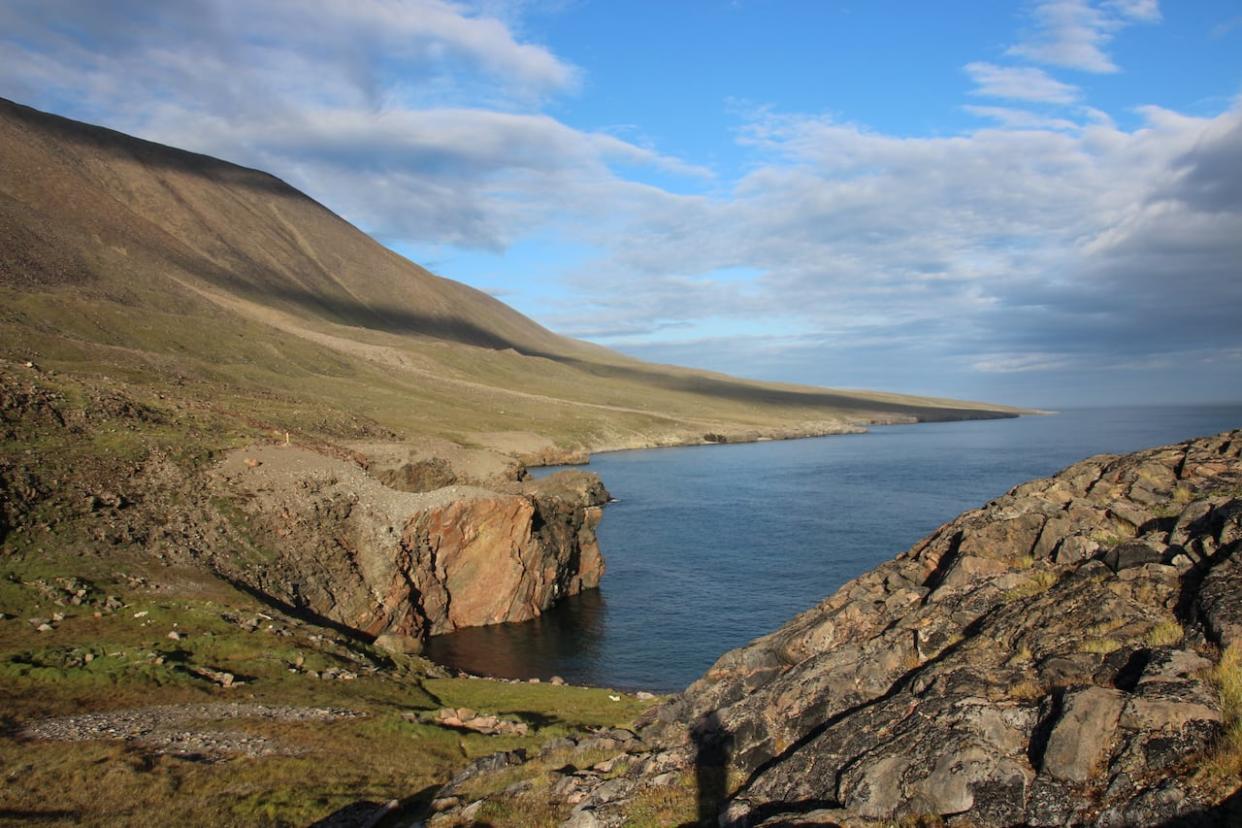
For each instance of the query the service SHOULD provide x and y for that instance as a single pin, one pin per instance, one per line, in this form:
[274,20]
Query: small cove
[709,547]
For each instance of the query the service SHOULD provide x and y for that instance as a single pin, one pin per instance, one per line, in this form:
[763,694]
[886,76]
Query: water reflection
[565,641]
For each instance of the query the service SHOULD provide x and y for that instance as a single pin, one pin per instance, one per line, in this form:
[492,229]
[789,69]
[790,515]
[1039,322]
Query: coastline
[916,478]
[582,456]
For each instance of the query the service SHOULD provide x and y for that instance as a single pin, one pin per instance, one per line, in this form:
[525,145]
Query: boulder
[1082,737]
[398,644]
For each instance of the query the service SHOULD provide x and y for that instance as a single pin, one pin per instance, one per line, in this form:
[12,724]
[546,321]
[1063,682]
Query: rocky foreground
[1069,654]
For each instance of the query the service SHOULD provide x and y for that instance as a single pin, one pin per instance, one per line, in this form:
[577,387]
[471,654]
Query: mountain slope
[174,270]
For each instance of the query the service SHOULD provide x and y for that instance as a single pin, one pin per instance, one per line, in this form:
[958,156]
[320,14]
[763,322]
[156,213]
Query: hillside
[213,282]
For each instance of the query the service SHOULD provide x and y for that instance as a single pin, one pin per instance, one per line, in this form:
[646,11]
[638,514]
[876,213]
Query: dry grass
[1222,769]
[657,807]
[1039,583]
[1106,539]
[1020,656]
[1027,690]
[1099,646]
[1103,628]
[1166,633]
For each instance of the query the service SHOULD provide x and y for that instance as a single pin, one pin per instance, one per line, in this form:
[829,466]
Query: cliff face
[333,540]
[1052,658]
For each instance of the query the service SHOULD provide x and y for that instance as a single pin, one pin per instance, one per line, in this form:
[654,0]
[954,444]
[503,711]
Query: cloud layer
[417,119]
[1049,242]
[1004,250]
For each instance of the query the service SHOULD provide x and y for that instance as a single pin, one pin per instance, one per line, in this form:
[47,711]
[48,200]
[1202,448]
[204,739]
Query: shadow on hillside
[302,613]
[316,290]
[406,321]
[369,814]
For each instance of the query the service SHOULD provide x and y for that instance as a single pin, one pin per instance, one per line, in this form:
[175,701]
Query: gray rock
[1130,554]
[1218,604]
[1082,737]
[582,819]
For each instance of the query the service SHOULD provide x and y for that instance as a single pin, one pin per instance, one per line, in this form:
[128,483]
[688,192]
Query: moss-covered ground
[122,622]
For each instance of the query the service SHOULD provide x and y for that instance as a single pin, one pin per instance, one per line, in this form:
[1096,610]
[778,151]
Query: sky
[1036,202]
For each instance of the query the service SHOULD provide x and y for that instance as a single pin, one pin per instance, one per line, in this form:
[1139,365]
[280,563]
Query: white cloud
[1075,33]
[1227,26]
[1144,10]
[363,46]
[1001,251]
[1024,83]
[1020,363]
[418,120]
[1020,118]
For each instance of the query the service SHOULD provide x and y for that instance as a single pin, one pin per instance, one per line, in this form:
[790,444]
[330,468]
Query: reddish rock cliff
[336,542]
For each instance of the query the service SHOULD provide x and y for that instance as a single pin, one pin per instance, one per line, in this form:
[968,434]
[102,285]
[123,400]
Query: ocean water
[710,547]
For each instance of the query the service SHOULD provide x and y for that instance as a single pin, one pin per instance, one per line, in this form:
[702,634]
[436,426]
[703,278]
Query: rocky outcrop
[328,538]
[1045,660]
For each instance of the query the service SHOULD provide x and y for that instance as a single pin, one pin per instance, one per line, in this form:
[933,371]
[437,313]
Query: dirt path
[169,728]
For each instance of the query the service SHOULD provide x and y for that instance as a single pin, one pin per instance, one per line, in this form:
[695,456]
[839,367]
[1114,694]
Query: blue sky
[1037,202]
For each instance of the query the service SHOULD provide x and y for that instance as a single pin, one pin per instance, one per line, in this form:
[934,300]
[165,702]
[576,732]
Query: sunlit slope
[167,268]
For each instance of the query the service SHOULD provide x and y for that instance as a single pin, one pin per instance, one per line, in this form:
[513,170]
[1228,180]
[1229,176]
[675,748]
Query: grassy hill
[183,275]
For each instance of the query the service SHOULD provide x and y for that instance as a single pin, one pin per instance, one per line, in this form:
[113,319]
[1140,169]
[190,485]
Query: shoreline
[843,430]
[774,435]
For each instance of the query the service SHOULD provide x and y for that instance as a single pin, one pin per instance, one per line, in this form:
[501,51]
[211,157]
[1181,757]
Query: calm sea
[709,547]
